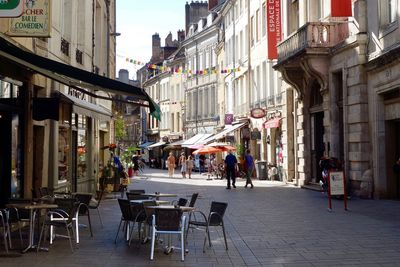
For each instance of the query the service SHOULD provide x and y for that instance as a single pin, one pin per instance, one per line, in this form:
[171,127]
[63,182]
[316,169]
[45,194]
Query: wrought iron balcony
[314,37]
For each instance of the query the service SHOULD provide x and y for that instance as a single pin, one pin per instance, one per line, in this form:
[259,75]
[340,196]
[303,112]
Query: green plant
[127,155]
[120,132]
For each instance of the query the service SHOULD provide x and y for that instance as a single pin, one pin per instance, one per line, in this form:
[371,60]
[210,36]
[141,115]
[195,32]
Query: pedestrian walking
[182,163]
[231,167]
[249,167]
[189,166]
[171,164]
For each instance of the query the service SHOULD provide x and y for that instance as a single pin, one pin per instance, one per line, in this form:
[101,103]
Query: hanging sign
[11,8]
[257,113]
[273,27]
[34,22]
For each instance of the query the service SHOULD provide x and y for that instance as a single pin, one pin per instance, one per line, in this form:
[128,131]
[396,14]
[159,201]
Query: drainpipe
[93,38]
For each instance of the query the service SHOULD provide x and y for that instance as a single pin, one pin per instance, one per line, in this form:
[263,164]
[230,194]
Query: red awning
[272,123]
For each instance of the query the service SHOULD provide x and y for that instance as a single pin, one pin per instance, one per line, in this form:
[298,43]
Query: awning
[145,144]
[272,123]
[71,76]
[88,109]
[156,145]
[197,139]
[228,129]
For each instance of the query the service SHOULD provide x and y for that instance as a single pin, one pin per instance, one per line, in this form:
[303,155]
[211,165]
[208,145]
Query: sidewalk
[271,225]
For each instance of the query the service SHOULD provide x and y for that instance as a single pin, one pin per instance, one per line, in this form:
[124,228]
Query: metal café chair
[130,213]
[214,218]
[83,210]
[168,221]
[5,227]
[61,217]
[94,204]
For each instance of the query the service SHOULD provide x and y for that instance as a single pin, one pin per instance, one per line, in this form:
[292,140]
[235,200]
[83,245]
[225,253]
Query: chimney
[181,35]
[156,47]
[123,75]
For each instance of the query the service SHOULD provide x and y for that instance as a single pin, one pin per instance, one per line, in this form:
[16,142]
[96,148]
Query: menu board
[336,183]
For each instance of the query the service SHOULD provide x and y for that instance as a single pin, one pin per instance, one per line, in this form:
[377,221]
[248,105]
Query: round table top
[31,206]
[159,195]
[140,201]
[183,208]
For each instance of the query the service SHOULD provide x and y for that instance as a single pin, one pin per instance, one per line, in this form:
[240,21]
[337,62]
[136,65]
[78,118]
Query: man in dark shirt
[231,165]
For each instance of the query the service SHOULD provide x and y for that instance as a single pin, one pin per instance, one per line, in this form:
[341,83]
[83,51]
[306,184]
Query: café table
[140,201]
[157,195]
[33,208]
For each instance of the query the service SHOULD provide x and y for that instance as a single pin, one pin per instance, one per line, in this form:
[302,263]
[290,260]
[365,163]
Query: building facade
[56,118]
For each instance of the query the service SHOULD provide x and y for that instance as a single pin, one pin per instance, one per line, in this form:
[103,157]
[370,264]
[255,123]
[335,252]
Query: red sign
[274,27]
[341,8]
[257,113]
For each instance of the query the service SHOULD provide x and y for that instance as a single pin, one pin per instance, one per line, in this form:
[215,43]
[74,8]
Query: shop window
[8,90]
[82,148]
[63,153]
[16,159]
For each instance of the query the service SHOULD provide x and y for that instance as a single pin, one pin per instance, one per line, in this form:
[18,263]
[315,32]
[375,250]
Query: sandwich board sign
[337,187]
[11,8]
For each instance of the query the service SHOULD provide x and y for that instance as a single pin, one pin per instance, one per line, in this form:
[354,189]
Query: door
[317,144]
[392,154]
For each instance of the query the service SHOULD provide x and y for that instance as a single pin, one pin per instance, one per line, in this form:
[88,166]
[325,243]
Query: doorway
[317,144]
[392,154]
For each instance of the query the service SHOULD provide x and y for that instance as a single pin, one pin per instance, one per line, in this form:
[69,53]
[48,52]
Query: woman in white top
[182,162]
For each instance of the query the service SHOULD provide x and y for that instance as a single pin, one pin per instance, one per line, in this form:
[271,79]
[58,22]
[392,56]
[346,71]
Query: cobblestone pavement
[271,225]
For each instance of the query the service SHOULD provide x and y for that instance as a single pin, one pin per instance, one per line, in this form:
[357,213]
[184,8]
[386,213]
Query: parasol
[196,146]
[207,150]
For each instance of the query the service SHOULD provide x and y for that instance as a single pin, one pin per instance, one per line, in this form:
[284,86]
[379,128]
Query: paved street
[271,225]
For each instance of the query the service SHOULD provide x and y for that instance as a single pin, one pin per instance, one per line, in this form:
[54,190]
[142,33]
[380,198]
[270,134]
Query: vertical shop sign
[11,8]
[228,119]
[273,27]
[34,22]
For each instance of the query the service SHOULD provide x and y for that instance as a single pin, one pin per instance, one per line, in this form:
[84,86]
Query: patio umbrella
[226,148]
[207,150]
[196,146]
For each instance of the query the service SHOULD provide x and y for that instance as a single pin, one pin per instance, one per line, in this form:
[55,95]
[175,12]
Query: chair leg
[20,234]
[77,227]
[9,235]
[5,240]
[69,237]
[205,239]
[153,242]
[183,242]
[98,212]
[223,231]
[40,237]
[116,236]
[208,233]
[90,224]
[130,234]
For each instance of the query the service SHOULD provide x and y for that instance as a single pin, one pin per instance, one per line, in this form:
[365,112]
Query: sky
[138,20]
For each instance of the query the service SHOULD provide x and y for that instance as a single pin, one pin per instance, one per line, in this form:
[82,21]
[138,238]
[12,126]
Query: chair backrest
[85,199]
[69,205]
[149,212]
[168,219]
[125,206]
[3,218]
[134,196]
[193,199]
[138,212]
[182,202]
[220,208]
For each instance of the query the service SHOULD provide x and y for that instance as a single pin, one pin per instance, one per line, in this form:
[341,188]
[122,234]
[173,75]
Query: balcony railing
[312,35]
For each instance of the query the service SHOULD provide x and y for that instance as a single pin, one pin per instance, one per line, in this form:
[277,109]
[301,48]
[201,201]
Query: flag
[341,8]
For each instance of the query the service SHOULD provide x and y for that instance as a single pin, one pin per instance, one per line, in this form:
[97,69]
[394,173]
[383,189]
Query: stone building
[343,74]
[56,99]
